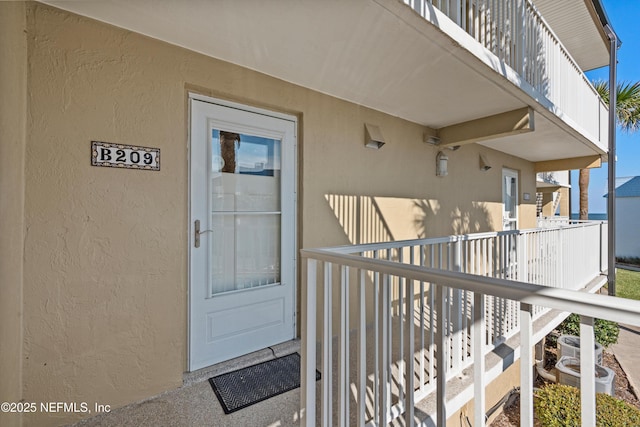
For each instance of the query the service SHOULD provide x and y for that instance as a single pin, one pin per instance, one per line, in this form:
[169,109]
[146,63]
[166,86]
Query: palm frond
[627,103]
[628,106]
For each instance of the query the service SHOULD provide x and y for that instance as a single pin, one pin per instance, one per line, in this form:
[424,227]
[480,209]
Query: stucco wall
[547,204]
[627,227]
[547,201]
[564,202]
[105,255]
[13,104]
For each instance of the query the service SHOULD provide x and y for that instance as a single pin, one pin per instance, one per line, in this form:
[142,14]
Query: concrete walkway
[627,351]
[196,405]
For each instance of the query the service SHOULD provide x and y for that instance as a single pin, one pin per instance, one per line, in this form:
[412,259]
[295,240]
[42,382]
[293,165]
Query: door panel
[509,199]
[242,260]
[509,222]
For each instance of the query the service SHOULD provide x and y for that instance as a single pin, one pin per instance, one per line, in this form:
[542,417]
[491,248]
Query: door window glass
[245,211]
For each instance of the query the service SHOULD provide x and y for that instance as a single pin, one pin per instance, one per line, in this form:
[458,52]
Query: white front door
[242,232]
[509,199]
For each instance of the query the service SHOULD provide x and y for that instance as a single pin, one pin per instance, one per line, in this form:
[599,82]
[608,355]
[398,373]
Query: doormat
[238,389]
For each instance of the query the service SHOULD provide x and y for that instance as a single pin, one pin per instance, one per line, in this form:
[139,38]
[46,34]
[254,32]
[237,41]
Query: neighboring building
[553,193]
[627,222]
[251,127]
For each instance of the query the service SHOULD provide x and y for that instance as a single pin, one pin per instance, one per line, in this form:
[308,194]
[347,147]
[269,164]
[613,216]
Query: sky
[625,18]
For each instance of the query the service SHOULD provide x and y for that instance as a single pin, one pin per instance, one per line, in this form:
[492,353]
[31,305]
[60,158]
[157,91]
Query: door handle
[197,232]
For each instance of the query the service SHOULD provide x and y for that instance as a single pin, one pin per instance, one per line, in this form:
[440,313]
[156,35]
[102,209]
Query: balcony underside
[376,53]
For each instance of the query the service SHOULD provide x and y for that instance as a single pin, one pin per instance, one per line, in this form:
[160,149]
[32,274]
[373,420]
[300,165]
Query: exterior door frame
[507,172]
[190,237]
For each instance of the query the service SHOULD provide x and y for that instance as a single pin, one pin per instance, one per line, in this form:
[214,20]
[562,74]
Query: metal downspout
[611,199]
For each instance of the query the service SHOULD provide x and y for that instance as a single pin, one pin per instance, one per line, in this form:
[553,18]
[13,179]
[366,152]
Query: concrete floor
[195,404]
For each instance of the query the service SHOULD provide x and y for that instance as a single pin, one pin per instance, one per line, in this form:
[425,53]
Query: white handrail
[560,255]
[616,309]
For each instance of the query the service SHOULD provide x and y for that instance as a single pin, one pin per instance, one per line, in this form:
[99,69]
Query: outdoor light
[431,139]
[484,163]
[373,137]
[441,164]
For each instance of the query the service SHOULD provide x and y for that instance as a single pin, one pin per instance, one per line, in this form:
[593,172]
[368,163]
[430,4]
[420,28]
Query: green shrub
[558,405]
[629,260]
[605,331]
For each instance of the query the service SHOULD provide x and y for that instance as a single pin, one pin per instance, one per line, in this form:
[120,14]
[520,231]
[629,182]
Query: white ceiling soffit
[379,54]
[360,51]
[578,27]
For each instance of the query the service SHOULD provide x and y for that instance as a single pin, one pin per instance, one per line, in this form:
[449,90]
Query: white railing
[516,33]
[564,254]
[415,297]
[560,178]
[557,221]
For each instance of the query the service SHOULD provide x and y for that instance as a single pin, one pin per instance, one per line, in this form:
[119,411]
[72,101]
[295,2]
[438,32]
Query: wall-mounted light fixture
[441,164]
[373,137]
[431,139]
[484,163]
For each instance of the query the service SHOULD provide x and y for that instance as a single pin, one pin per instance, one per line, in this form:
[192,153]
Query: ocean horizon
[592,216]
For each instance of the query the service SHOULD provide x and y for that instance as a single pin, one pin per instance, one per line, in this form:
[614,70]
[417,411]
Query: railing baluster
[385,344]
[432,332]
[479,339]
[308,349]
[362,350]
[376,342]
[327,347]
[456,312]
[465,325]
[343,378]
[526,364]
[442,357]
[422,326]
[587,373]
[409,355]
[389,344]
[401,335]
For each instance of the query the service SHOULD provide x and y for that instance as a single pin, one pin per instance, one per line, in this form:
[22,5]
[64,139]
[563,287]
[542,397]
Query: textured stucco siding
[13,105]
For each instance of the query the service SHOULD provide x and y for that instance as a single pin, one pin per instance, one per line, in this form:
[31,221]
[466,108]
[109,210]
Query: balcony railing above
[412,315]
[550,179]
[517,34]
[562,221]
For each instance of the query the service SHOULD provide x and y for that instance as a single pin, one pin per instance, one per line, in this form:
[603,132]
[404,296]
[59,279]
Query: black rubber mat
[245,387]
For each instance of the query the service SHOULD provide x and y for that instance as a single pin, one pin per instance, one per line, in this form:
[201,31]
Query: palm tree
[229,141]
[627,117]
